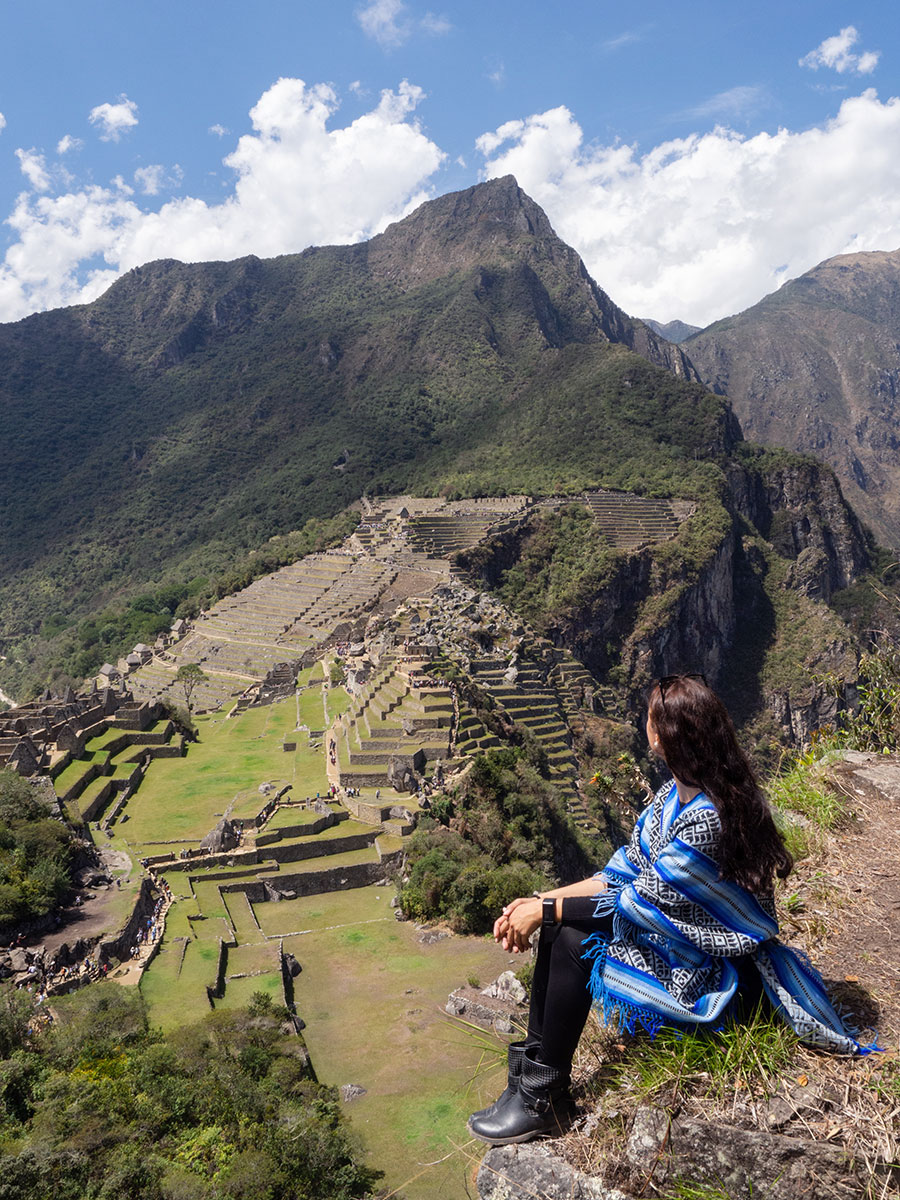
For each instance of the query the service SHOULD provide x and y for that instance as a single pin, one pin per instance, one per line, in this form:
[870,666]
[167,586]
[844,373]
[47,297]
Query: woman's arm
[521,917]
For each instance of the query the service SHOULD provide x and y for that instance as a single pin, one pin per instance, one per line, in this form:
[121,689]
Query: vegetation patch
[36,854]
[99,1106]
[495,838]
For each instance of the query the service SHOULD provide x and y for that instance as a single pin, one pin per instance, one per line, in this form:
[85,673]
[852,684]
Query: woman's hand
[518,921]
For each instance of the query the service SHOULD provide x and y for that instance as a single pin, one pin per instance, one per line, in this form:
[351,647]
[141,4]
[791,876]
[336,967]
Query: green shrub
[100,1107]
[36,854]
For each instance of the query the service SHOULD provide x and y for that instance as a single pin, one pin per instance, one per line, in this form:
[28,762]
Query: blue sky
[696,155]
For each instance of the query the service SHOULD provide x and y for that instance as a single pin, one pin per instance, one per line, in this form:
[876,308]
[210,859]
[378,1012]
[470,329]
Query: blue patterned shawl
[677,926]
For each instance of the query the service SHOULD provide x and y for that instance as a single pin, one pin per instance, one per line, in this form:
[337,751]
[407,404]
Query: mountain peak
[458,231]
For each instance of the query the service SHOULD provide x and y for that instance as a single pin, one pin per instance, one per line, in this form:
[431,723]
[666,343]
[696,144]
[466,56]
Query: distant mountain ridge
[672,331]
[198,408]
[816,367]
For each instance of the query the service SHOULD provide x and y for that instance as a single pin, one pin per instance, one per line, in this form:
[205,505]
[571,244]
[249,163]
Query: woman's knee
[569,944]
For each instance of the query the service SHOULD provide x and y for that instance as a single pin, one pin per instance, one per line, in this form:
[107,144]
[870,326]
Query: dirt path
[849,898]
[92,918]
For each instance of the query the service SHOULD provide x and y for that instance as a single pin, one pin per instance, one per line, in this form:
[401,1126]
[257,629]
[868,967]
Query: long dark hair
[698,742]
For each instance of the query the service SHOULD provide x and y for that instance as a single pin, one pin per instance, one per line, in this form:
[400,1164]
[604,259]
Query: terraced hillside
[402,546]
[632,521]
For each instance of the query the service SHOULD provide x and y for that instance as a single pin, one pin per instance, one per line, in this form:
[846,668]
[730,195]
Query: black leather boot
[515,1057]
[542,1104]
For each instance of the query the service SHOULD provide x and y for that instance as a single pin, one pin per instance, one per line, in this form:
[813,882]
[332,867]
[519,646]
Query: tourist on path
[677,928]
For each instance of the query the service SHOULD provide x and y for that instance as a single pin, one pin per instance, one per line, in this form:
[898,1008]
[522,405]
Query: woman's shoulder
[698,823]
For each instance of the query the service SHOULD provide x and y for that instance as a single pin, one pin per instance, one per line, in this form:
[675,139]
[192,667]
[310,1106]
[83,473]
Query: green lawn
[373,997]
[310,709]
[71,774]
[287,815]
[209,900]
[338,702]
[181,799]
[239,992]
[245,927]
[260,958]
[321,912]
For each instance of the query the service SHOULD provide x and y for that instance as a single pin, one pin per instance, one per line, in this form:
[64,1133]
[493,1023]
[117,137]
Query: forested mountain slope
[195,411]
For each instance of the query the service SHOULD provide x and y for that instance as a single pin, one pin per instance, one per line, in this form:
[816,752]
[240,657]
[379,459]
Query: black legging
[560,1000]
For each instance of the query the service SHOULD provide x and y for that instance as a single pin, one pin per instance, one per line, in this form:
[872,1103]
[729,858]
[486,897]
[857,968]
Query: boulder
[745,1163]
[18,960]
[535,1172]
[223,838]
[506,987]
[400,774]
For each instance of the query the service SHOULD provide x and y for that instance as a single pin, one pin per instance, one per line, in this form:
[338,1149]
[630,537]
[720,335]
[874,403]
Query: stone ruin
[34,736]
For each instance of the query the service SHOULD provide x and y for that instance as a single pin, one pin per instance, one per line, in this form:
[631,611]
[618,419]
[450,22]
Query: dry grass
[851,1103]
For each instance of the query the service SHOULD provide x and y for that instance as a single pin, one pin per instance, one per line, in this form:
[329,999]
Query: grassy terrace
[310,708]
[286,816]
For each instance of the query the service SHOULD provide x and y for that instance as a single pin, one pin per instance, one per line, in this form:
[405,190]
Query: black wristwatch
[548,911]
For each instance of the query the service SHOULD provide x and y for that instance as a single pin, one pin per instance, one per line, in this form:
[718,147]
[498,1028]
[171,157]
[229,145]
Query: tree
[189,675]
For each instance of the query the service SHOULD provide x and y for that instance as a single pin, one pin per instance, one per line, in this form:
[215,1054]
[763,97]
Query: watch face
[549,911]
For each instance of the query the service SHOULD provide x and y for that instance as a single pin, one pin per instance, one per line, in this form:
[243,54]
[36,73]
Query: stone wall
[119,946]
[310,883]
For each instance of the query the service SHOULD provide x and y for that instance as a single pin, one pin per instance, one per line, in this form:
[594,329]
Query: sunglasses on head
[666,681]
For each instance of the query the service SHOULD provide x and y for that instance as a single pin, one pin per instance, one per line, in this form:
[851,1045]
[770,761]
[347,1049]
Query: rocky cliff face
[816,367]
[750,612]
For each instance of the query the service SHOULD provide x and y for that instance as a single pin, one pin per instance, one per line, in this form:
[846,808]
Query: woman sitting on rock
[677,924]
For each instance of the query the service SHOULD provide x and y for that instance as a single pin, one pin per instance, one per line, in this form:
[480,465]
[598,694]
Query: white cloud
[2,122]
[497,74]
[114,119]
[703,226]
[434,24]
[298,183]
[152,179]
[835,52]
[390,23]
[219,130]
[34,168]
[386,21]
[735,103]
[623,39]
[67,143]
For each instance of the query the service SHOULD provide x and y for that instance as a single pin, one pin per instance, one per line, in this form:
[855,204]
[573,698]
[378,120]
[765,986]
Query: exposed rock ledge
[664,1149]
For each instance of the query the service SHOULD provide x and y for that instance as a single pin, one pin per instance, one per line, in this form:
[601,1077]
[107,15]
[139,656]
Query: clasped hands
[518,921]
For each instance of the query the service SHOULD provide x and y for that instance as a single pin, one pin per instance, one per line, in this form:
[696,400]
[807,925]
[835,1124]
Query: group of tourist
[43,982]
[153,925]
